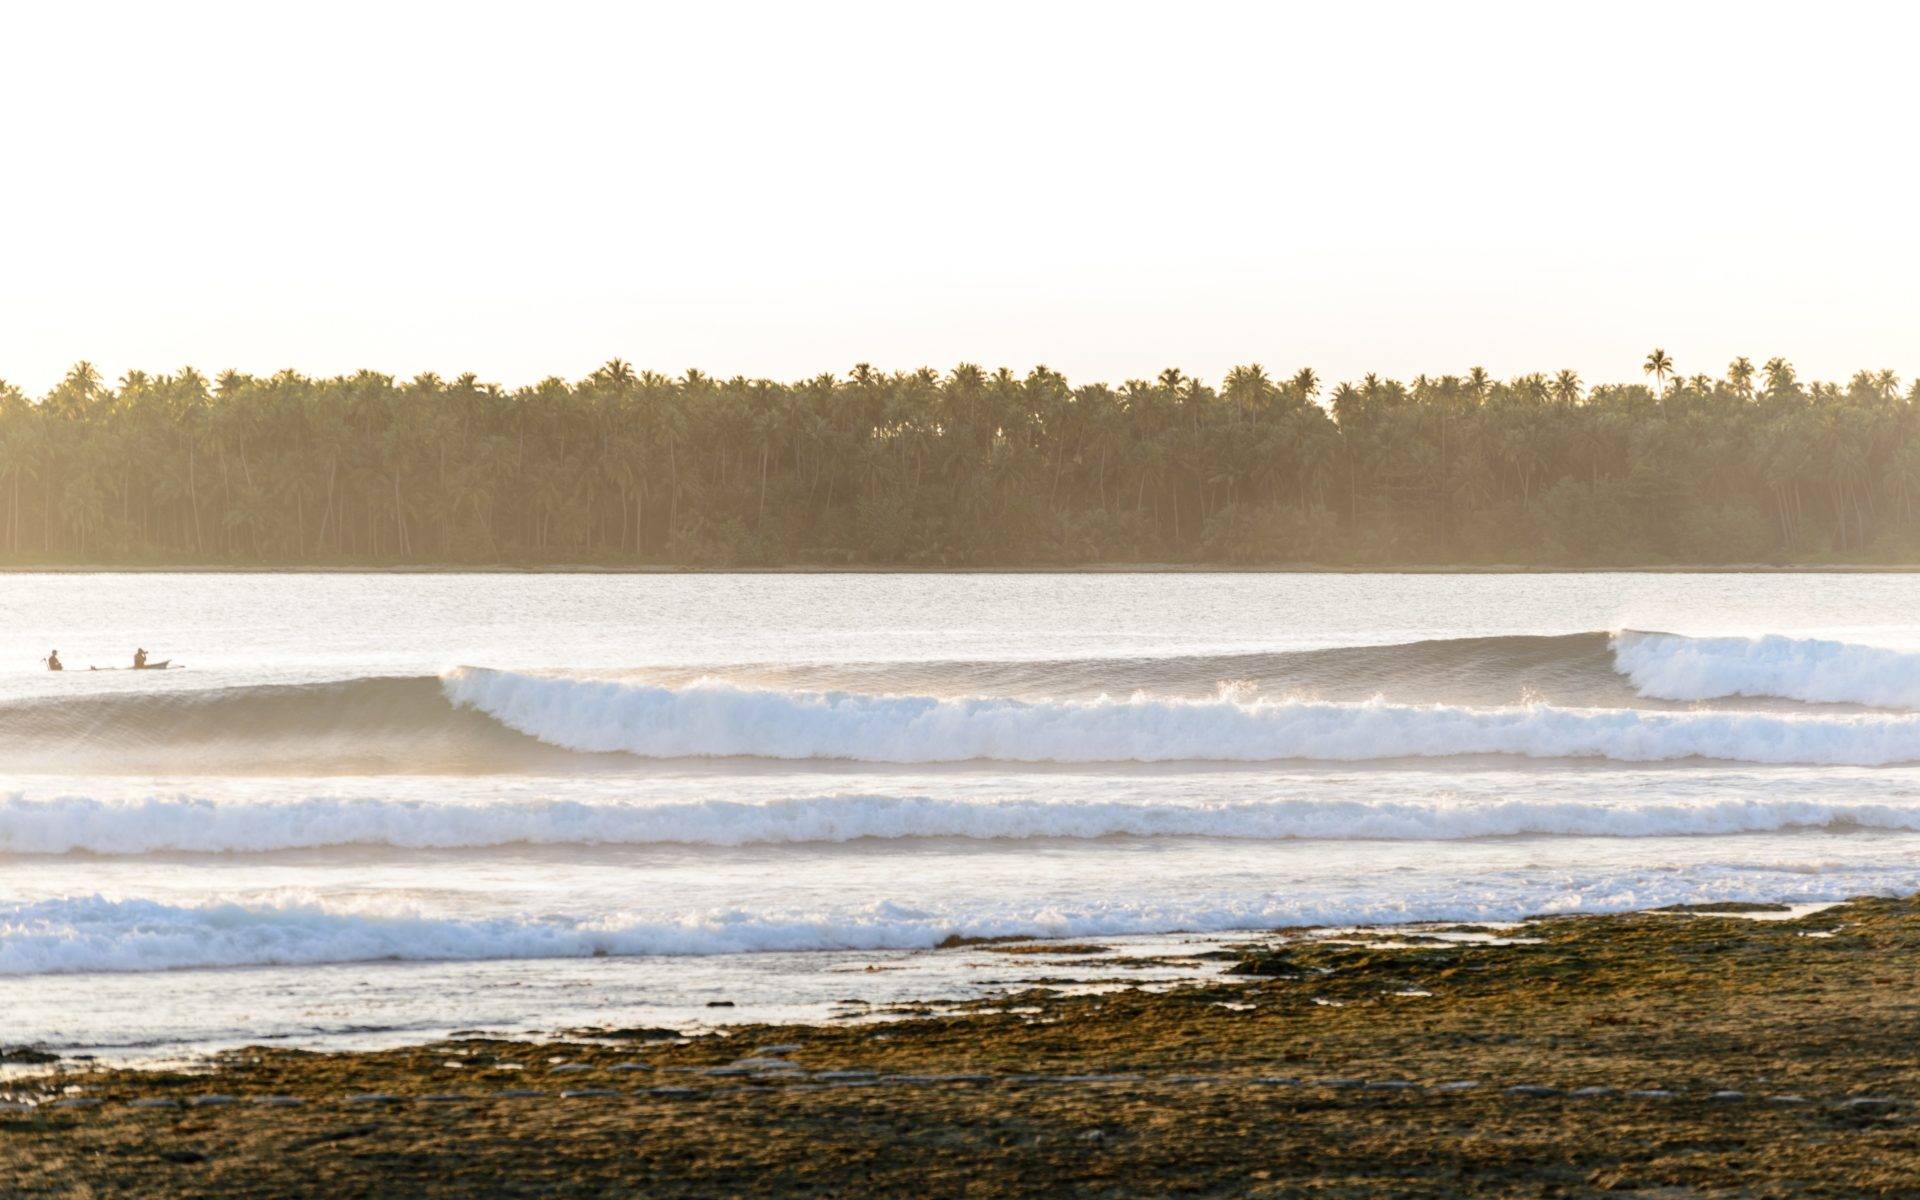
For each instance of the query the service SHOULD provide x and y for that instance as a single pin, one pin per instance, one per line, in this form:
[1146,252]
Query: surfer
[140,659]
[53,662]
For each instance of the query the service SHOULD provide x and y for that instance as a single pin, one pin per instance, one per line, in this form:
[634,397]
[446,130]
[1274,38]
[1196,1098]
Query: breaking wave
[717,719]
[1670,667]
[1632,696]
[194,826]
[96,933]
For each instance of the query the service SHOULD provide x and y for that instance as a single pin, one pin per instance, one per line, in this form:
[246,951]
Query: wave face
[1669,667]
[1561,669]
[721,720]
[358,726]
[188,826]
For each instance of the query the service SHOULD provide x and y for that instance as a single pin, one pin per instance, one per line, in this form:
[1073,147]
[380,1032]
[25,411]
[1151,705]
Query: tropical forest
[966,468]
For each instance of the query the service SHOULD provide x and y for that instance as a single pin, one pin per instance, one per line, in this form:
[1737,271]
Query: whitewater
[190,825]
[407,804]
[717,719]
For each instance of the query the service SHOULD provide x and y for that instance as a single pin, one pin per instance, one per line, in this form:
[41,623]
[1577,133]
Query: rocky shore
[1659,1054]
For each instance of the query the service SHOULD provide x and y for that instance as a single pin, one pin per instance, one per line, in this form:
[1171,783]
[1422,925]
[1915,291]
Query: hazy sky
[782,189]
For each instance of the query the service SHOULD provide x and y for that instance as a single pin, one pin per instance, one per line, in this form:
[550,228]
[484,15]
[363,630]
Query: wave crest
[711,719]
[1667,666]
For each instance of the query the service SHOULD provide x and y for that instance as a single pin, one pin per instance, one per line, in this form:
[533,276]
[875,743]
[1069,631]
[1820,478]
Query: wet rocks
[1725,907]
[182,1155]
[634,1033]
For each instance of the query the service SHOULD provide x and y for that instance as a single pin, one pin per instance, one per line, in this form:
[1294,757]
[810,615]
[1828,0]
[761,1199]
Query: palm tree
[1781,381]
[1659,364]
[616,372]
[1566,387]
[1478,381]
[1247,389]
[1306,382]
[1740,376]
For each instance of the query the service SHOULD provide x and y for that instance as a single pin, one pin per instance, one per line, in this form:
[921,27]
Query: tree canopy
[967,468]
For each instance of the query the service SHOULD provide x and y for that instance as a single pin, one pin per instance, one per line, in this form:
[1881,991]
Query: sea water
[378,808]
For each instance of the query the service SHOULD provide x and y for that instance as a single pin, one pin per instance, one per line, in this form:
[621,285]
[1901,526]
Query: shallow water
[386,806]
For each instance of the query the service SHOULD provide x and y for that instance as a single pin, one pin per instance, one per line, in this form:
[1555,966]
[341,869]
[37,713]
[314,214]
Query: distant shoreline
[1083,569]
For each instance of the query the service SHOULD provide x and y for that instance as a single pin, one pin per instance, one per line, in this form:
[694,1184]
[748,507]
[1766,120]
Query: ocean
[381,808]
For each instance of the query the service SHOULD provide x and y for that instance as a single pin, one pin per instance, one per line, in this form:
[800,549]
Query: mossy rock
[1725,906]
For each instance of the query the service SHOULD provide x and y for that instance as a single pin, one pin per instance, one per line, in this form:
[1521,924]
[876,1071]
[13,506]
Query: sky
[1110,189]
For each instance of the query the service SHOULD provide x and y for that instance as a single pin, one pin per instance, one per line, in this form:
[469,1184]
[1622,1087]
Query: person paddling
[53,662]
[140,659]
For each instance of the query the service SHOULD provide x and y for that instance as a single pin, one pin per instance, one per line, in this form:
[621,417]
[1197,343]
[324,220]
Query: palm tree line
[966,468]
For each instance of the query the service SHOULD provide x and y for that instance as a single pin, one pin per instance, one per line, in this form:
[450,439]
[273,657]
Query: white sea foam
[97,933]
[714,719]
[71,824]
[1669,667]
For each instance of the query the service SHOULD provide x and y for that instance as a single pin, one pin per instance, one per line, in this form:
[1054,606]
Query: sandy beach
[1753,1052]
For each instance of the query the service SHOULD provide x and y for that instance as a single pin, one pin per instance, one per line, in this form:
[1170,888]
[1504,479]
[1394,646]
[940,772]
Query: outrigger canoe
[165,664]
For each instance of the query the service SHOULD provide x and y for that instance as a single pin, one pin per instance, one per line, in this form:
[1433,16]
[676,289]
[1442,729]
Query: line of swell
[1621,697]
[194,826]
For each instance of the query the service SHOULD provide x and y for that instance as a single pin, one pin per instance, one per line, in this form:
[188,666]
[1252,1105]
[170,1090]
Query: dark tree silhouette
[973,468]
